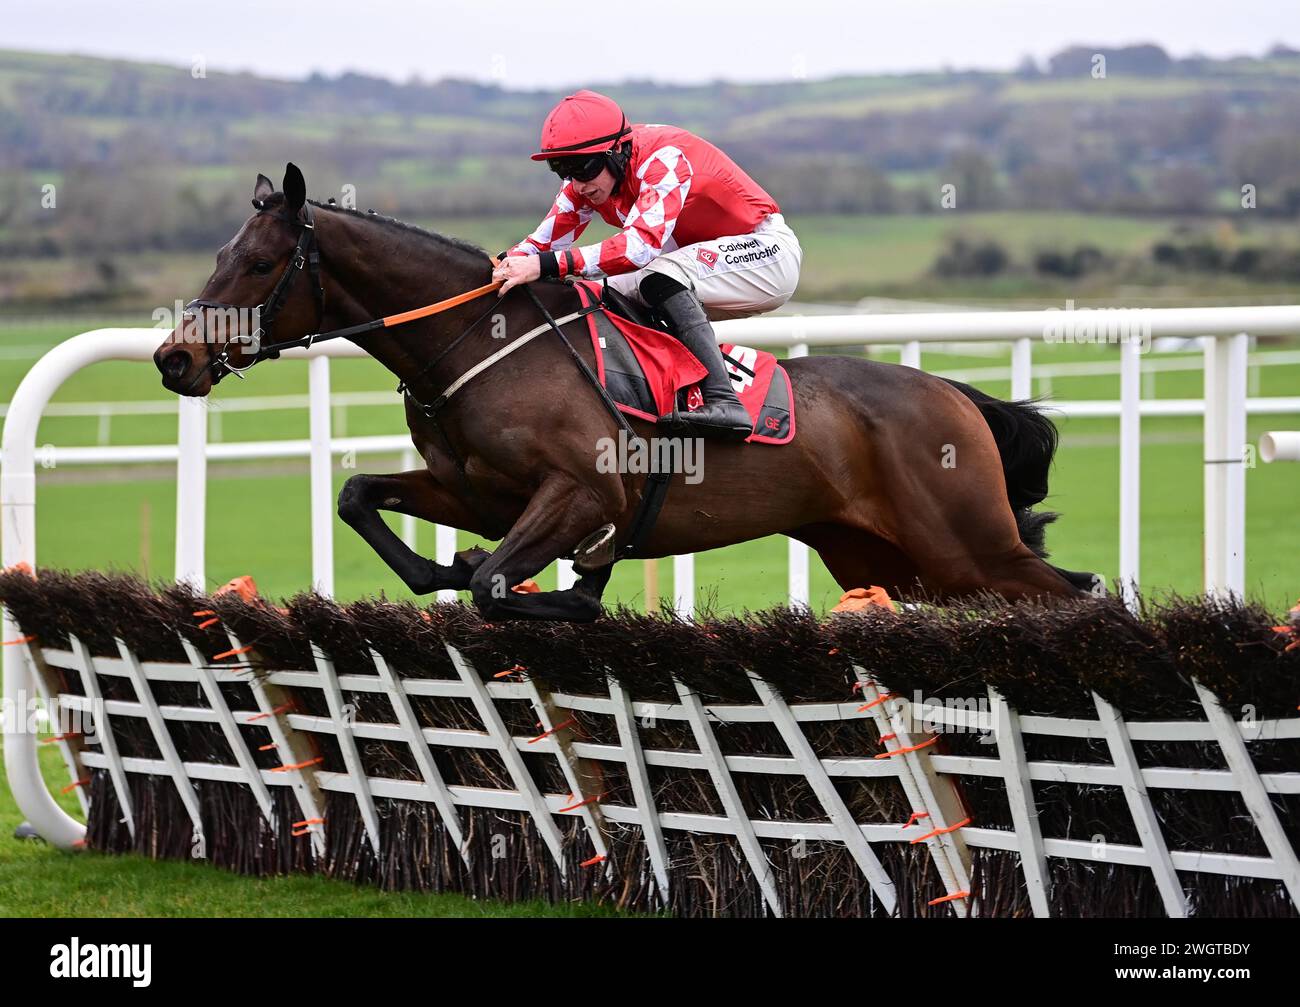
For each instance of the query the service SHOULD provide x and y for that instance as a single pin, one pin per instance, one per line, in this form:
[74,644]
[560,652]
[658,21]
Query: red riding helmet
[584,123]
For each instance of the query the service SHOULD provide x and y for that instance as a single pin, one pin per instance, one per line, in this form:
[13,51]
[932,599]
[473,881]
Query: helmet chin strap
[617,159]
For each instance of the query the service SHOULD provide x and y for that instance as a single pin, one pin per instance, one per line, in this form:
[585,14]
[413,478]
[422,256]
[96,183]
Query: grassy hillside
[146,159]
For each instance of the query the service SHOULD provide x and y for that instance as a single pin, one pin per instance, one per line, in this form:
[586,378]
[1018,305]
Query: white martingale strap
[504,352]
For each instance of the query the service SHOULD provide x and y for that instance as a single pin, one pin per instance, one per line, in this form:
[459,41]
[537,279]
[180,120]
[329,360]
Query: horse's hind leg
[857,558]
[420,495]
[1092,583]
[944,504]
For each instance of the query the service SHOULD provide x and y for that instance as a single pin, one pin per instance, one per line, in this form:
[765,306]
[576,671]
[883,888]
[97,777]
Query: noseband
[306,254]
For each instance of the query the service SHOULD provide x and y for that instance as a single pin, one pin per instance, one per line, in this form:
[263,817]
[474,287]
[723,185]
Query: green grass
[38,880]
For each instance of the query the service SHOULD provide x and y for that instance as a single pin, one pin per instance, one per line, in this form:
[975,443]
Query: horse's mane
[378,218]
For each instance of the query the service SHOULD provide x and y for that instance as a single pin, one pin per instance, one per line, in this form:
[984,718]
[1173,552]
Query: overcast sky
[550,44]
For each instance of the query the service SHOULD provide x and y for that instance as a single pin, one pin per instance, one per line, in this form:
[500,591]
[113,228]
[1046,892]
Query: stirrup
[595,551]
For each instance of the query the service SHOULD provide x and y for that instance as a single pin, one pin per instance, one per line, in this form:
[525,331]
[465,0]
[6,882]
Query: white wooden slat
[550,718]
[642,792]
[1252,792]
[162,737]
[47,686]
[943,806]
[348,744]
[946,849]
[1227,864]
[104,732]
[831,801]
[224,717]
[968,720]
[1155,777]
[730,797]
[433,781]
[510,755]
[1020,796]
[1139,804]
[306,790]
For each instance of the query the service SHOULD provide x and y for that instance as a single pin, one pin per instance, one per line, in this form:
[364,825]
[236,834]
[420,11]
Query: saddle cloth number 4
[746,357]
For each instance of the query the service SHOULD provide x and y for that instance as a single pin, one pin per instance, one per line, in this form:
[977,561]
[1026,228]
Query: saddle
[645,369]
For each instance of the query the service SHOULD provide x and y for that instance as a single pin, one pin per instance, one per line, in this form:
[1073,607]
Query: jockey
[698,238]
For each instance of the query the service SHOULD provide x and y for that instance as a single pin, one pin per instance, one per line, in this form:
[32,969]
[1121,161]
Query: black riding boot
[722,416]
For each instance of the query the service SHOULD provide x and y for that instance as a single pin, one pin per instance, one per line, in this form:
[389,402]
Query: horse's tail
[1026,440]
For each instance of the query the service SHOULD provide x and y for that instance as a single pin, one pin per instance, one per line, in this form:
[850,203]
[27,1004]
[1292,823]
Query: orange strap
[575,807]
[558,727]
[271,713]
[910,748]
[940,832]
[445,305]
[298,765]
[231,653]
[875,702]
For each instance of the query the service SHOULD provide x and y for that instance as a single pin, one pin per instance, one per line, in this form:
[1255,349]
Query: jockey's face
[598,189]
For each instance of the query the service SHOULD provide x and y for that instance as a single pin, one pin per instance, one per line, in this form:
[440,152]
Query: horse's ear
[262,189]
[295,187]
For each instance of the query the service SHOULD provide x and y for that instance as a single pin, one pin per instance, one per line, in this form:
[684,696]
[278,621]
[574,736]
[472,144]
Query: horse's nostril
[173,364]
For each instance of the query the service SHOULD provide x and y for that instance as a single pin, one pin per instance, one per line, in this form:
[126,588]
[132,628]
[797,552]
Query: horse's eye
[261,268]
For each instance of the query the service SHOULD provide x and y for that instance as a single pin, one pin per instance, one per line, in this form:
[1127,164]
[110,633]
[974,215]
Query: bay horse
[895,477]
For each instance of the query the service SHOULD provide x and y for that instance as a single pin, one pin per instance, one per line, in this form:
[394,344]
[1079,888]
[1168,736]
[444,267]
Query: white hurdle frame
[926,779]
[1224,443]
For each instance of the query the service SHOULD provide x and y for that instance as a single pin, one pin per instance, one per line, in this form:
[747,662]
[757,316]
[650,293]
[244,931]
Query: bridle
[306,254]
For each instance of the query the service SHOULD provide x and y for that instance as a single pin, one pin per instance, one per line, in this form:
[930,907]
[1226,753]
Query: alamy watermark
[29,714]
[1099,325]
[651,455]
[216,326]
[952,715]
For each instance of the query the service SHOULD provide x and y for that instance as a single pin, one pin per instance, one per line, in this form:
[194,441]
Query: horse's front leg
[420,495]
[557,517]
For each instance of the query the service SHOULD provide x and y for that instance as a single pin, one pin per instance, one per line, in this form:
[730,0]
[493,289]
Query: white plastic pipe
[1225,469]
[322,478]
[192,493]
[1225,412]
[1280,446]
[799,586]
[1022,369]
[18,521]
[446,555]
[684,585]
[1130,470]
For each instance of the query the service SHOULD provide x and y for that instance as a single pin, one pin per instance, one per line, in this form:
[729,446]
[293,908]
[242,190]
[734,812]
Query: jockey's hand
[516,269]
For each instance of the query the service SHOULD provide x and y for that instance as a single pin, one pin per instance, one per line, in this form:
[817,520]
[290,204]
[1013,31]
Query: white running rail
[1225,416]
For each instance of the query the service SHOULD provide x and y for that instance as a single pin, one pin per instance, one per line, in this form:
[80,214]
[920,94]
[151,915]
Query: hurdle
[347,810]
[781,766]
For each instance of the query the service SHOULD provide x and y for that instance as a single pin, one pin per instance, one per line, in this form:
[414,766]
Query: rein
[306,254]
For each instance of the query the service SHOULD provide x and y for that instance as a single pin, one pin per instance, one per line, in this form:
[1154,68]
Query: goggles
[579,167]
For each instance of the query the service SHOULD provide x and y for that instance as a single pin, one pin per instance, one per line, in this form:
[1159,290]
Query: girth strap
[656,485]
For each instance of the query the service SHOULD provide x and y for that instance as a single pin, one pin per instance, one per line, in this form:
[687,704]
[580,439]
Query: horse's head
[256,283]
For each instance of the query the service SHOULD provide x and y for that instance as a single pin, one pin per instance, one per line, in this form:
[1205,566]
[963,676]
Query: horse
[895,477]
